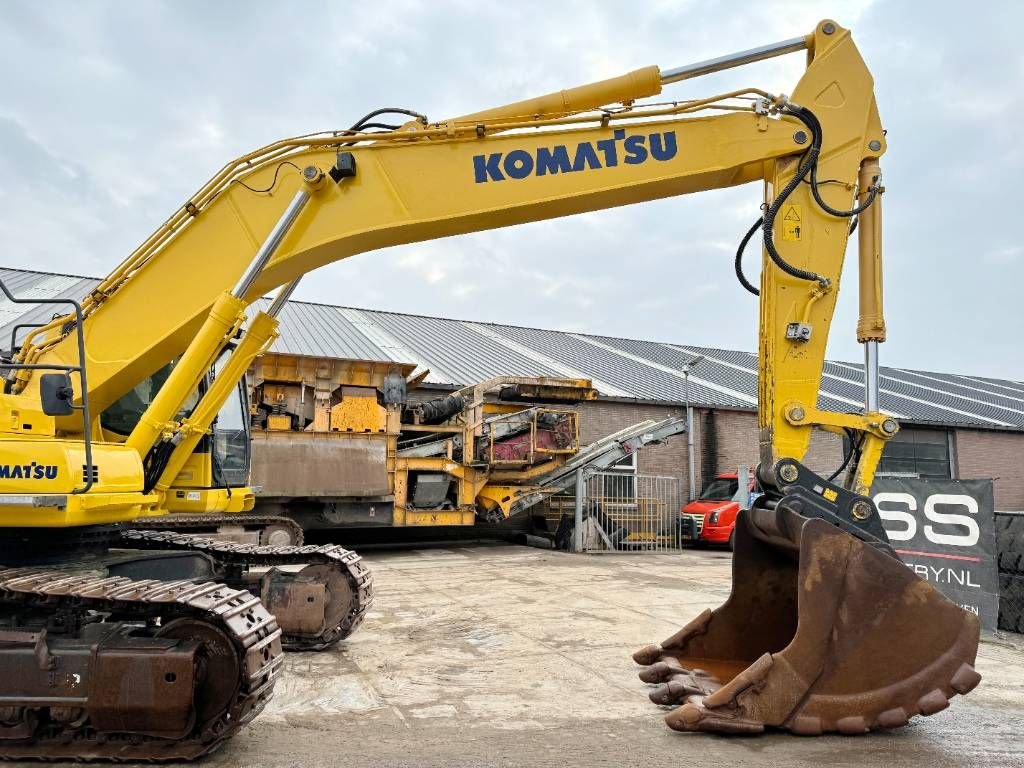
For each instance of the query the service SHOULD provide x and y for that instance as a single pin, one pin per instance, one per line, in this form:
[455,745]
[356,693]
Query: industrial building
[953,425]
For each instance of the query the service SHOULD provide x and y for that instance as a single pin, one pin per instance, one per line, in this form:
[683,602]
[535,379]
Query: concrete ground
[484,656]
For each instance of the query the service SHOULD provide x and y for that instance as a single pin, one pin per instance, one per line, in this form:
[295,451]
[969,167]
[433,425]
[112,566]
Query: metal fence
[621,512]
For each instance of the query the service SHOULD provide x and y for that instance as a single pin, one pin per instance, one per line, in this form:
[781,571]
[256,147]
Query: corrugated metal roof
[460,352]
[24,284]
[318,330]
[464,355]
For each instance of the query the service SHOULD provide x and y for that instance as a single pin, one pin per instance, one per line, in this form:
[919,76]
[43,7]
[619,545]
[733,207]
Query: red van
[711,518]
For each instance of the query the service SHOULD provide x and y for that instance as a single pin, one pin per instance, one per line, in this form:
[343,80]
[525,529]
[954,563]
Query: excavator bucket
[822,632]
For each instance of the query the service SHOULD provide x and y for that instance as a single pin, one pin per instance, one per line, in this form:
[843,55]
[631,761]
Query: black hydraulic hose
[384,126]
[854,451]
[810,159]
[158,458]
[846,461]
[387,111]
[739,258]
[808,169]
[873,191]
[364,121]
[809,119]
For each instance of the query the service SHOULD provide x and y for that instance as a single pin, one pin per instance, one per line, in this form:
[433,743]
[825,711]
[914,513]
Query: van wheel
[732,539]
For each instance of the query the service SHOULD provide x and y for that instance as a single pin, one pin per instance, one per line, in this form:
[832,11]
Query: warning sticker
[792,222]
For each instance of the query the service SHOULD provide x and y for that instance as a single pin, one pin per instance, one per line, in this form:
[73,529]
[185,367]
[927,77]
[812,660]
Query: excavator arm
[806,640]
[525,162]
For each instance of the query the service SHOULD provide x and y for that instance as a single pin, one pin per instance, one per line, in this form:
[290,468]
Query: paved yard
[514,656]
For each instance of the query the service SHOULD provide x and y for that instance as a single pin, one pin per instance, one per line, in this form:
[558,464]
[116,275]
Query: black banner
[945,532]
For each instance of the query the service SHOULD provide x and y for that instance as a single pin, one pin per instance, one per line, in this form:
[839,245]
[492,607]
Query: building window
[917,452]
[619,480]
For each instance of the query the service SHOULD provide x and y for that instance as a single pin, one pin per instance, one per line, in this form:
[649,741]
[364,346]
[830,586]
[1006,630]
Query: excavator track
[335,582]
[202,523]
[182,609]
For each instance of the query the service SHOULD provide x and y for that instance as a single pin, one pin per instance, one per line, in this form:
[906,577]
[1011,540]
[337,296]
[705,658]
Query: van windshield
[721,489]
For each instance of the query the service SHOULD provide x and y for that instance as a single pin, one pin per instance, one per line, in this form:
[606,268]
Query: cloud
[1005,256]
[128,108]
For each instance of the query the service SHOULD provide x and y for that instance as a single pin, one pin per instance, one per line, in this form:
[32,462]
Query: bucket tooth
[852,725]
[965,680]
[694,716]
[808,725]
[932,702]
[893,718]
[814,639]
[684,684]
[661,670]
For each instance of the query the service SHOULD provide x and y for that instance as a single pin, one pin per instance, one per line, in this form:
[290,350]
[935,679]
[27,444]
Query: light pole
[690,458]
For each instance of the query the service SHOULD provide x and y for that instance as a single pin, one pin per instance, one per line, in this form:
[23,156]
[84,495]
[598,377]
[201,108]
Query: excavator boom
[806,640]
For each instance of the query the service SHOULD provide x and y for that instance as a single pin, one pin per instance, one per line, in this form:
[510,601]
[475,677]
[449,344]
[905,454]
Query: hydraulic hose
[155,464]
[364,120]
[854,450]
[808,170]
[810,159]
[739,257]
[809,119]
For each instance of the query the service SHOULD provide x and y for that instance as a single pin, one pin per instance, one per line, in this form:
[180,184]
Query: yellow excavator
[122,643]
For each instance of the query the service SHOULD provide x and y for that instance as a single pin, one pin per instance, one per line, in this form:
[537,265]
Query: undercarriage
[157,645]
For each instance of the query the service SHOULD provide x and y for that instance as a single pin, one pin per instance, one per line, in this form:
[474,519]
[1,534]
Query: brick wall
[980,454]
[600,418]
[734,442]
[825,453]
[996,455]
[735,437]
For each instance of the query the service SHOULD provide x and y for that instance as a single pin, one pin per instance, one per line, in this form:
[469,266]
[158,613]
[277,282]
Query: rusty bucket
[822,632]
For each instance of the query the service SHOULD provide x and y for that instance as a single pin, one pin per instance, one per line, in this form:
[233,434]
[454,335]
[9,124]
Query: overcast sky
[113,113]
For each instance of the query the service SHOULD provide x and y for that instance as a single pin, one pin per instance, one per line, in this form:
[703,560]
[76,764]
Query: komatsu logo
[33,471]
[607,153]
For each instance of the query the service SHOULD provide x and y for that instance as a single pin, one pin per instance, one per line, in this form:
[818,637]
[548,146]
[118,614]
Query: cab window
[231,441]
[124,414]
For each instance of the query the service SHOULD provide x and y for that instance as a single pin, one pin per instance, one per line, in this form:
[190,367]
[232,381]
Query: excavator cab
[220,460]
[813,636]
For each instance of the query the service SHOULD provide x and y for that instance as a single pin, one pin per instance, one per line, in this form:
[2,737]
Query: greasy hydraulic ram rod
[735,59]
[626,88]
[871,323]
[223,321]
